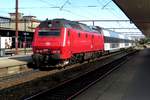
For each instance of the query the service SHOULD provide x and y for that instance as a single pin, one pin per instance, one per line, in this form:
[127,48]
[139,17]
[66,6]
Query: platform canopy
[138,12]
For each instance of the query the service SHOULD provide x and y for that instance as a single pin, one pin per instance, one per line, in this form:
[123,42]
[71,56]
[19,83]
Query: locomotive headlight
[48,43]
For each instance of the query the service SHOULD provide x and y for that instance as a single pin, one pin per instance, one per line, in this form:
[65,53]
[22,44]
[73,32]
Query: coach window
[121,41]
[108,39]
[111,40]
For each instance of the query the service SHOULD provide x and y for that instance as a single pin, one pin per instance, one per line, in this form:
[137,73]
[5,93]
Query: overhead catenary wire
[107,4]
[104,5]
[61,8]
[46,2]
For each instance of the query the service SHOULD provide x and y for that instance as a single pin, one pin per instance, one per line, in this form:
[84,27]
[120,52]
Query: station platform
[129,82]
[15,60]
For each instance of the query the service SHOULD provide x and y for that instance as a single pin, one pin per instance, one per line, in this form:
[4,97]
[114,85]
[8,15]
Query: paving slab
[130,82]
[14,60]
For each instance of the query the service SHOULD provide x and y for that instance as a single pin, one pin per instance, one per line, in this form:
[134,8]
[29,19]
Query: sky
[69,9]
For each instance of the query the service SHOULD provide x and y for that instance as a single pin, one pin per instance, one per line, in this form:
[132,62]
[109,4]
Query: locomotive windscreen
[49,32]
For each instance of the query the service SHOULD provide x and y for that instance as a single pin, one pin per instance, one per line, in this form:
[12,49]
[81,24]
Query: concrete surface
[14,60]
[130,82]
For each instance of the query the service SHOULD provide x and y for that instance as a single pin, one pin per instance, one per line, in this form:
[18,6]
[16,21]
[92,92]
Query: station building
[26,26]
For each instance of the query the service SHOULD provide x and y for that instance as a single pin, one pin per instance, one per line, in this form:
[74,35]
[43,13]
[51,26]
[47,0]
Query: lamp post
[25,40]
[16,33]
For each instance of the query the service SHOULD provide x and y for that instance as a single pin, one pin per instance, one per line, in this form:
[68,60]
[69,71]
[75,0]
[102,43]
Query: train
[61,42]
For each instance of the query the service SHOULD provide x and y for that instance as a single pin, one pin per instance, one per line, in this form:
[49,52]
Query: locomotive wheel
[73,60]
[37,60]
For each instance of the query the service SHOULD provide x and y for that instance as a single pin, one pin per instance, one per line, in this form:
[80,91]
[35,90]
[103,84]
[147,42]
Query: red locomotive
[61,41]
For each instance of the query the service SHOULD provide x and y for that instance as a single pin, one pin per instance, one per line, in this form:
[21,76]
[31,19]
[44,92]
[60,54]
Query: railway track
[12,72]
[29,83]
[74,86]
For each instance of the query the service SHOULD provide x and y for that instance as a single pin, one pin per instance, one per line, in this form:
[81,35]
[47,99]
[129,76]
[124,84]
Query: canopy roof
[138,12]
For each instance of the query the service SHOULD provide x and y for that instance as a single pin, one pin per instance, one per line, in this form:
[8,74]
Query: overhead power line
[61,7]
[46,2]
[106,4]
[43,7]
